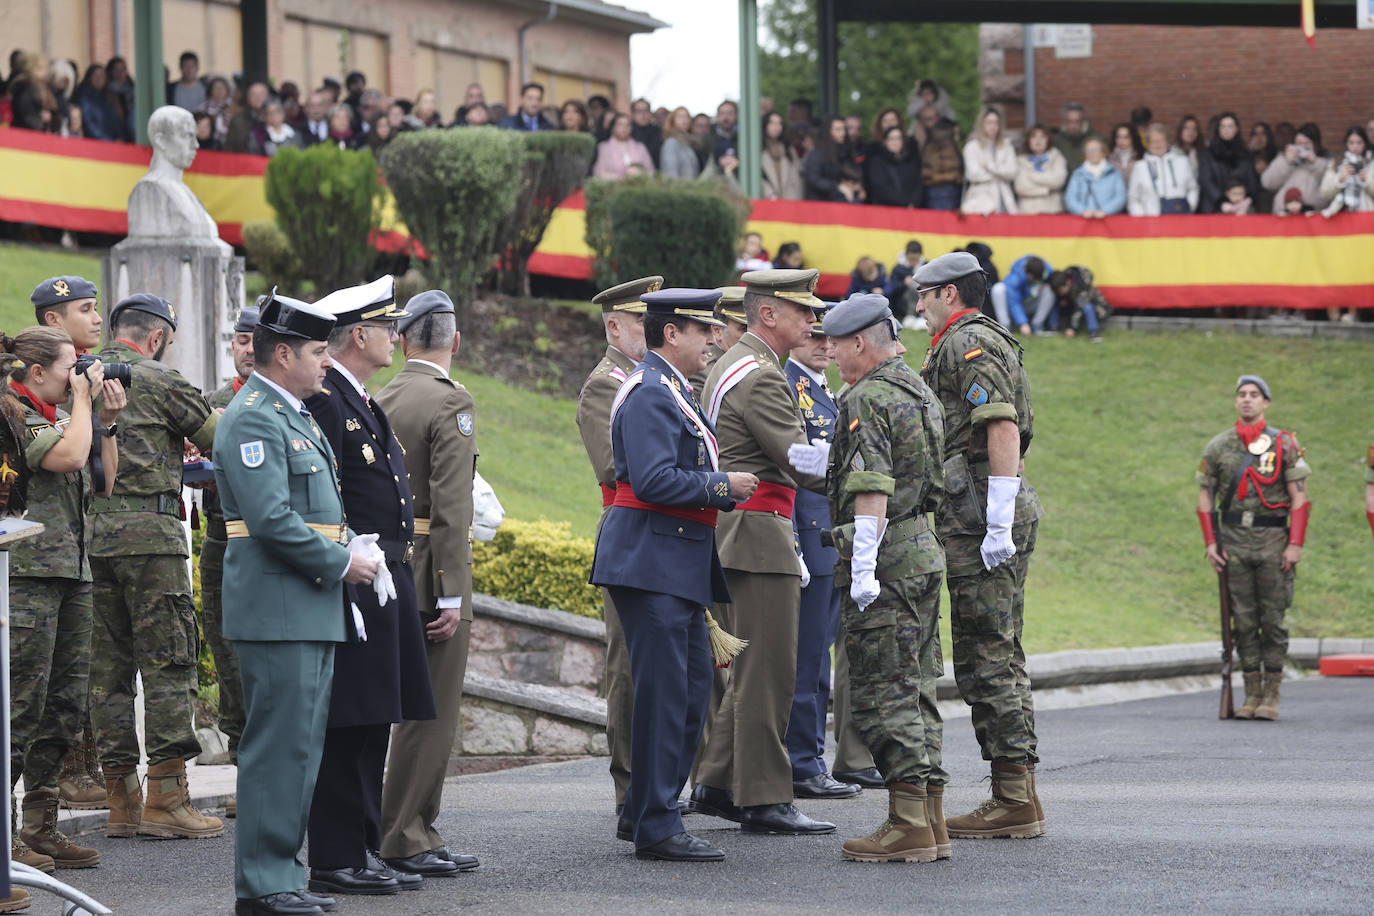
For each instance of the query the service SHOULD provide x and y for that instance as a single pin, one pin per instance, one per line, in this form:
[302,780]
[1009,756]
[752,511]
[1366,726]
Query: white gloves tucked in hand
[383,584]
[997,547]
[811,458]
[805,573]
[863,584]
[487,513]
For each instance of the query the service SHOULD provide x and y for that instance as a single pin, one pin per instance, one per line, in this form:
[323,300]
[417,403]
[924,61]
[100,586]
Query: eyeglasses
[921,291]
[391,327]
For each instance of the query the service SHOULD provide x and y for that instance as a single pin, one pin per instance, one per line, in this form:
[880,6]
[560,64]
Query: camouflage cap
[626,296]
[731,304]
[797,286]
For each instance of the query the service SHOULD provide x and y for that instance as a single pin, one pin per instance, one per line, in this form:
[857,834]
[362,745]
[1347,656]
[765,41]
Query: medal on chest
[1261,444]
[1266,464]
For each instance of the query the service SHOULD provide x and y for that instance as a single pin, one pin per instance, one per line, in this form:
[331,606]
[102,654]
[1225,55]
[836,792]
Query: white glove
[863,584]
[997,547]
[358,622]
[810,458]
[382,584]
[805,573]
[487,513]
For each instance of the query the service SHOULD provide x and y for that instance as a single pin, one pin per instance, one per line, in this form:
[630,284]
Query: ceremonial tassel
[724,647]
[1309,22]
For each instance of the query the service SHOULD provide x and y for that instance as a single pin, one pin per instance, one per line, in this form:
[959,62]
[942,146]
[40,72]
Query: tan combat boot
[1009,813]
[1252,695]
[935,813]
[168,811]
[16,901]
[231,807]
[41,833]
[905,836]
[19,850]
[1269,701]
[1035,798]
[125,796]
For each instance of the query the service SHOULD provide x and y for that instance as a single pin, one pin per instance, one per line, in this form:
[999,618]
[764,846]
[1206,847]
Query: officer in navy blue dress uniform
[820,604]
[384,678]
[656,555]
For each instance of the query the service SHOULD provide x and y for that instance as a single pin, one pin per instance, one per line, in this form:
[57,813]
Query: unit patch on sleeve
[465,424]
[977,395]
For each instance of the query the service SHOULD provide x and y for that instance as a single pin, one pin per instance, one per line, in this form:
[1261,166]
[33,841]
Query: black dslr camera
[122,372]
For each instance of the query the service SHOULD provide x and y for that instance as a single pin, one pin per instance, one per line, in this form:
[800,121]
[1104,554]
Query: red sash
[771,497]
[607,495]
[625,498]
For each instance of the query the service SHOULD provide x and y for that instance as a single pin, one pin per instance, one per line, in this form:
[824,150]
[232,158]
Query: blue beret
[430,302]
[146,302]
[697,304]
[1257,382]
[859,311]
[947,268]
[57,290]
[248,320]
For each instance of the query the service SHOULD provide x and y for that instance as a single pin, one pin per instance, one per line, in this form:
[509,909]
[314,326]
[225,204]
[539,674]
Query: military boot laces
[168,811]
[75,785]
[905,836]
[41,833]
[1009,813]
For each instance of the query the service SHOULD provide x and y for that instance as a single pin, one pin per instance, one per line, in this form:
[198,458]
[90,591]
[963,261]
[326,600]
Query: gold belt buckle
[1247,519]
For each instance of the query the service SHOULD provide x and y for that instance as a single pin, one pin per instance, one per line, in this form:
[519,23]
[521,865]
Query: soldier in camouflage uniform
[50,585]
[1253,482]
[885,473]
[212,559]
[145,619]
[987,522]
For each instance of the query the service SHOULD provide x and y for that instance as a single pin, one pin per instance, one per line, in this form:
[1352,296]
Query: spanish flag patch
[854,424]
[973,354]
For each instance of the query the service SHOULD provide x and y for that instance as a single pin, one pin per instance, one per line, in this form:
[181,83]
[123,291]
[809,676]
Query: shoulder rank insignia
[252,453]
[7,473]
[325,391]
[977,395]
[465,424]
[973,354]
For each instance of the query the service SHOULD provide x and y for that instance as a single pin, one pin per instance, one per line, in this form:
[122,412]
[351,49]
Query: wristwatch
[109,431]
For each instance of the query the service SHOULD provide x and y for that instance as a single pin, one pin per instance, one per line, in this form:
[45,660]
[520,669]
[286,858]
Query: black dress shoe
[681,847]
[625,829]
[424,863]
[783,819]
[684,807]
[408,881]
[351,881]
[869,778]
[464,863]
[283,904]
[715,802]
[823,785]
[328,904]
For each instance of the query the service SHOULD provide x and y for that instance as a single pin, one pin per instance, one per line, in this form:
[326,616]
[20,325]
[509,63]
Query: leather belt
[771,497]
[626,499]
[421,527]
[238,528]
[1251,520]
[397,551]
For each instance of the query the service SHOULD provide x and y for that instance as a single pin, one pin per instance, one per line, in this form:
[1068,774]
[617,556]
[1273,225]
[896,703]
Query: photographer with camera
[145,620]
[50,583]
[1301,166]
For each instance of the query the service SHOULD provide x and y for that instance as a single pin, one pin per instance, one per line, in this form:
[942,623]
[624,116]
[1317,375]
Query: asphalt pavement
[1151,806]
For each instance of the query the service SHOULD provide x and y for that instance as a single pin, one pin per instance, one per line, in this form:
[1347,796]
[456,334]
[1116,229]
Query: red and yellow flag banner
[1143,263]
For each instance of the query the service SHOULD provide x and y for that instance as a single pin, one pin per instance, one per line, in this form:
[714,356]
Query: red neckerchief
[1249,434]
[238,383]
[935,341]
[49,411]
[132,344]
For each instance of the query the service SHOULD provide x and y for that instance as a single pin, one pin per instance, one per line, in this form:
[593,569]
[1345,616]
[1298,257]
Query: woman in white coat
[1041,174]
[1163,180]
[989,168]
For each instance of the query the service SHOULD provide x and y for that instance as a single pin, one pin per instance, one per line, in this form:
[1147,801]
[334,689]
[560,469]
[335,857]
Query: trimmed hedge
[555,165]
[324,200]
[537,563]
[270,252]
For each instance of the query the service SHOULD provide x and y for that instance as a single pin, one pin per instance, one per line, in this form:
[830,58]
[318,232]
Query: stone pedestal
[204,282]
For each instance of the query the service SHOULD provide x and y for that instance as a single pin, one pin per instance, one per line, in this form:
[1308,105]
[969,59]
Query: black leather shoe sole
[869,779]
[843,790]
[439,868]
[724,812]
[274,905]
[653,854]
[366,890]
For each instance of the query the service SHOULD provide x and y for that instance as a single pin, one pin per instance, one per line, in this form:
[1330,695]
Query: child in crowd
[1079,304]
[1349,184]
[753,256]
[1292,203]
[901,286]
[1237,200]
[868,276]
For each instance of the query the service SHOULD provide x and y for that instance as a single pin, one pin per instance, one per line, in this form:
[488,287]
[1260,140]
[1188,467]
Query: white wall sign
[1364,14]
[1073,41]
[1042,35]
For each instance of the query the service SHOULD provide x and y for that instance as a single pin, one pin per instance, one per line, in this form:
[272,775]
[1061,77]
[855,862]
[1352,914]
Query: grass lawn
[1120,429]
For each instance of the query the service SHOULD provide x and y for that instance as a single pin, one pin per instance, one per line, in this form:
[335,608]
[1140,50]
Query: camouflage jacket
[889,438]
[142,515]
[1264,484]
[59,501]
[209,497]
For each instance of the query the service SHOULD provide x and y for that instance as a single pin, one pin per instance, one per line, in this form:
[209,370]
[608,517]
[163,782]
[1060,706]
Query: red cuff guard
[1297,524]
[1209,534]
[1371,521]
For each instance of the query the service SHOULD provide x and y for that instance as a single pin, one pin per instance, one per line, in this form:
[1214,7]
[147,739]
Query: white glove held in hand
[863,585]
[358,622]
[805,573]
[383,584]
[810,458]
[997,547]
[487,512]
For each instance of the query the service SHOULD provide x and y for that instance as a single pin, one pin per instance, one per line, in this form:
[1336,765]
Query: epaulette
[325,391]
[252,399]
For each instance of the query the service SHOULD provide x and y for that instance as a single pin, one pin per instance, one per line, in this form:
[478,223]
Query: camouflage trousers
[231,713]
[145,623]
[987,614]
[1261,593]
[894,661]
[50,657]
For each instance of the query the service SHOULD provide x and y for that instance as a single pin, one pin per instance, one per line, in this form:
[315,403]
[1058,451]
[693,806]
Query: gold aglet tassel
[724,647]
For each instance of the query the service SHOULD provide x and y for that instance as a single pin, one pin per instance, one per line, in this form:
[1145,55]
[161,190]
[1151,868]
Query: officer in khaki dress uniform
[730,313]
[1253,499]
[433,418]
[744,773]
[622,313]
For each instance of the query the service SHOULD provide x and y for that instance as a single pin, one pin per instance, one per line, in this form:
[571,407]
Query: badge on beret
[1261,444]
[61,288]
[465,424]
[977,395]
[252,453]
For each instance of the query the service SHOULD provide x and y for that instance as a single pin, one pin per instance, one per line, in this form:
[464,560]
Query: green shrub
[688,238]
[602,231]
[453,188]
[537,563]
[270,252]
[555,165]
[324,199]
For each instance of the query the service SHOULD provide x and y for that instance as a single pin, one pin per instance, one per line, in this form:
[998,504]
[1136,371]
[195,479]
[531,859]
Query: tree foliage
[555,165]
[324,201]
[879,62]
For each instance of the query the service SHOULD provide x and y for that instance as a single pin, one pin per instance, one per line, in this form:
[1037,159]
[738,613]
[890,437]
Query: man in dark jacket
[528,116]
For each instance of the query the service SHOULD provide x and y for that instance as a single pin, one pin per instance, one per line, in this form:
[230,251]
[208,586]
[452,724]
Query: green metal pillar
[150,86]
[253,31]
[827,59]
[750,124]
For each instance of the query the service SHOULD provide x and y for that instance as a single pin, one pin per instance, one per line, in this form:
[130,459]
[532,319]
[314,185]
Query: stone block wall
[536,646]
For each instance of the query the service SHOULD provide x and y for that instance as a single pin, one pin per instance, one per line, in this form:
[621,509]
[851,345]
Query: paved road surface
[1152,806]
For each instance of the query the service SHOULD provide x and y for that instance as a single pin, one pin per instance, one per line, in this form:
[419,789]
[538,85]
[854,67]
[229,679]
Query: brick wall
[1265,74]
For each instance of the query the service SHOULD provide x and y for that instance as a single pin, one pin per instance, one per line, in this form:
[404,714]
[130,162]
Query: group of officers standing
[713,457]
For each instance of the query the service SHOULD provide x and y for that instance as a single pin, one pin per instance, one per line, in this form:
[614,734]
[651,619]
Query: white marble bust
[160,205]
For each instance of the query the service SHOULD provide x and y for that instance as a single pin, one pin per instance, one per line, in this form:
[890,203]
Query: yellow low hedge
[538,563]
